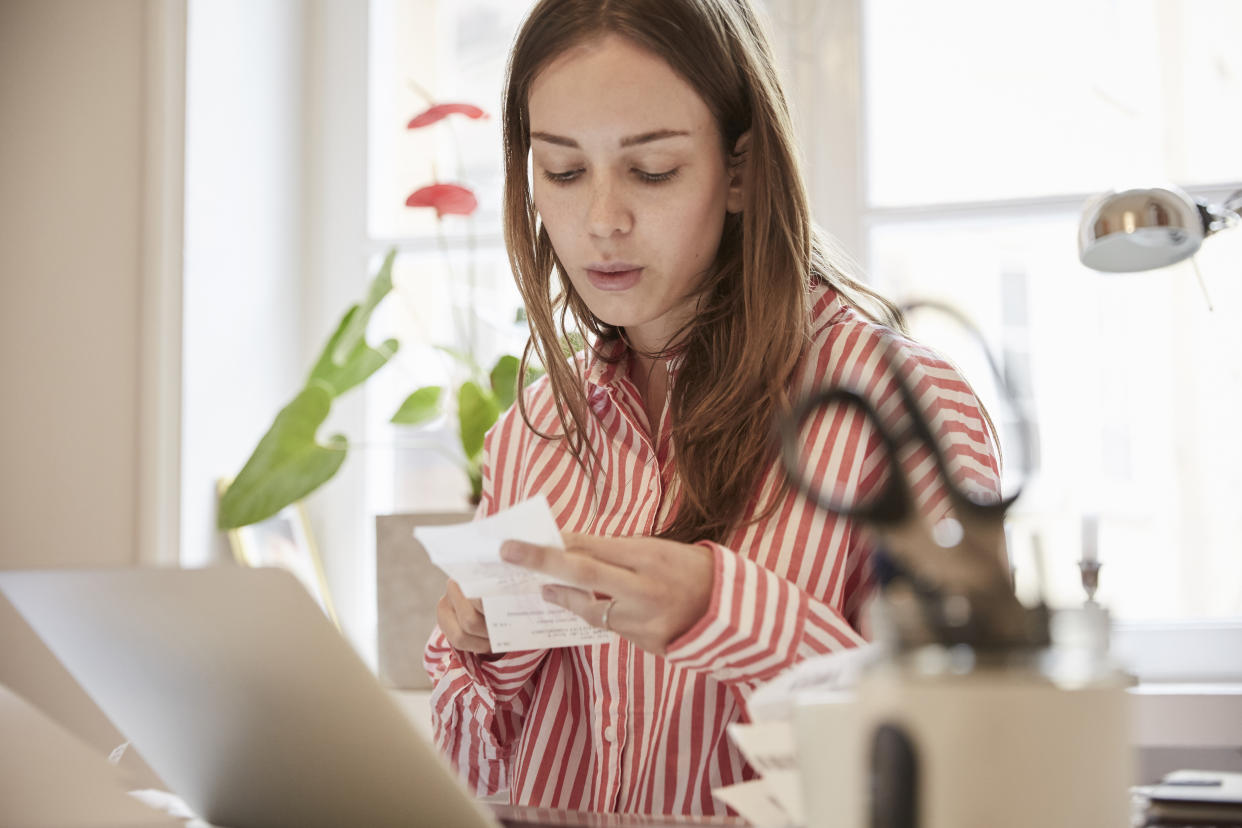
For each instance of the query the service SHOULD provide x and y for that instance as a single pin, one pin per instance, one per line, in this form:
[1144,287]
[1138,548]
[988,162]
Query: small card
[517,616]
[770,749]
[755,803]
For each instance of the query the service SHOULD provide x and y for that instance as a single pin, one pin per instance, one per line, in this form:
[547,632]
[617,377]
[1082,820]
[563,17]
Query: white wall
[117,415]
[71,223]
[92,343]
[90,192]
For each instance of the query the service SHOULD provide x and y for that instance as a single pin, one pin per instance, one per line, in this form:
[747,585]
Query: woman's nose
[608,213]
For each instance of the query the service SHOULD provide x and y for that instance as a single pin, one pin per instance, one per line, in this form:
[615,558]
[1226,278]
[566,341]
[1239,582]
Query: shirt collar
[826,304]
[603,369]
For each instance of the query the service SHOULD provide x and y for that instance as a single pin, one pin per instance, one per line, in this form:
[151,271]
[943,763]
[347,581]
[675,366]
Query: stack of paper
[774,800]
[1191,797]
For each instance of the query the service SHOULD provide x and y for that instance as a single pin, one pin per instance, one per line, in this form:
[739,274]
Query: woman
[663,191]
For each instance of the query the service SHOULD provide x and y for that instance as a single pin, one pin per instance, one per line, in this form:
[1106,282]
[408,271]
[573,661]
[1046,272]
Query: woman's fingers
[587,605]
[460,598]
[462,621]
[469,613]
[655,603]
[582,571]
[661,587]
[446,616]
[627,553]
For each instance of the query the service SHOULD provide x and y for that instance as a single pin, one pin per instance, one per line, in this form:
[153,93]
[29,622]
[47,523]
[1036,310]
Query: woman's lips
[614,278]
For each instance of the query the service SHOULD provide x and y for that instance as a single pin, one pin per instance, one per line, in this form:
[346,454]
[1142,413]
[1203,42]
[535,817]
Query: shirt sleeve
[759,624]
[478,703]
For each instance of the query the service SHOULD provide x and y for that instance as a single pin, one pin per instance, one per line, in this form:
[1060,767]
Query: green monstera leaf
[358,364]
[474,471]
[288,464]
[354,330]
[504,381]
[477,410]
[419,407]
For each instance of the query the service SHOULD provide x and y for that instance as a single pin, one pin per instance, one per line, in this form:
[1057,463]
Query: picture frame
[284,541]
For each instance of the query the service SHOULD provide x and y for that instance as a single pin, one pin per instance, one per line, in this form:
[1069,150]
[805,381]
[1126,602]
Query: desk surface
[518,817]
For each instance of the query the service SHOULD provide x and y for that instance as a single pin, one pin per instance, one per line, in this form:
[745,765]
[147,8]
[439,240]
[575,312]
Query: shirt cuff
[501,672]
[753,626]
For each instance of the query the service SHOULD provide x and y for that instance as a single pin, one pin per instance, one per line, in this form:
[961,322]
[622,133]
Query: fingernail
[549,594]
[512,552]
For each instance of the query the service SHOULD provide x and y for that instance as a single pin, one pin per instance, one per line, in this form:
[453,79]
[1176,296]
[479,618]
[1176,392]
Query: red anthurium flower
[447,199]
[443,110]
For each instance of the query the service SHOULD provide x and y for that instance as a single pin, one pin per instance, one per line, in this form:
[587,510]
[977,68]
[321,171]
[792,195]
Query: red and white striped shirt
[611,727]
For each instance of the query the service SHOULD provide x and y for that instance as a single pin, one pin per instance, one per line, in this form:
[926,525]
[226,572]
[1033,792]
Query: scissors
[942,589]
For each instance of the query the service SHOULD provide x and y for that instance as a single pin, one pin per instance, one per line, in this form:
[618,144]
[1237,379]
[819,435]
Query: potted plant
[290,461]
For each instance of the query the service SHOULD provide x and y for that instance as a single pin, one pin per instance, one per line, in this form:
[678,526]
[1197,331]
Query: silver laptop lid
[243,697]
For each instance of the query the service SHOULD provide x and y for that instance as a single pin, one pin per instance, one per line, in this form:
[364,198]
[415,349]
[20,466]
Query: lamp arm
[1216,218]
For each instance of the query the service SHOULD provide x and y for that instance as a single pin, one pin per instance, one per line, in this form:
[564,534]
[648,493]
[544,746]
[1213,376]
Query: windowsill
[1201,715]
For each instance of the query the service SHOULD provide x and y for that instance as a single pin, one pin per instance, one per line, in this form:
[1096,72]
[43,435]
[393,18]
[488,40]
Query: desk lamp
[1133,230]
[1144,229]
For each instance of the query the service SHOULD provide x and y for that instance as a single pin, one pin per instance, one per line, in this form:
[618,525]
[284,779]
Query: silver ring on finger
[603,621]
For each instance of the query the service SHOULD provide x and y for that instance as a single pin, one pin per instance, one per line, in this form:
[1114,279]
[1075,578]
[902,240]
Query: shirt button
[610,733]
[651,486]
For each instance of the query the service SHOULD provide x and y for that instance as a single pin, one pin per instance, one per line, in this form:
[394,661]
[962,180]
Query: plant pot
[408,587]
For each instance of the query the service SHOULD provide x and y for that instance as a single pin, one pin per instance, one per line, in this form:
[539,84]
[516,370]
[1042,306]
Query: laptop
[243,697]
[248,703]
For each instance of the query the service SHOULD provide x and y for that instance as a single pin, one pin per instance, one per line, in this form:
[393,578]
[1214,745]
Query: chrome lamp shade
[1133,230]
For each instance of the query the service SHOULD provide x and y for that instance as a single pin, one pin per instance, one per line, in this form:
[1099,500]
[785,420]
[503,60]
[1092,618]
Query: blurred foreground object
[970,715]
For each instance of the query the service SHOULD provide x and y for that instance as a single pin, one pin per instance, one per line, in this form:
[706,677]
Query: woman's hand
[461,620]
[648,590]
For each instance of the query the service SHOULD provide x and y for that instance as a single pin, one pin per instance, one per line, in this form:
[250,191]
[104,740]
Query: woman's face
[631,183]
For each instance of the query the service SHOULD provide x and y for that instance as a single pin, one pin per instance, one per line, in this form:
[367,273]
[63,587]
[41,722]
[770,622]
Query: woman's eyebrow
[628,141]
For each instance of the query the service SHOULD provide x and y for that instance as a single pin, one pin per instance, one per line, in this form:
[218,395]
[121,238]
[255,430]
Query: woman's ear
[738,163]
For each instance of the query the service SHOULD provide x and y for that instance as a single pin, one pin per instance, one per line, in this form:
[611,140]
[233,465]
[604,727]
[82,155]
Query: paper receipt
[517,616]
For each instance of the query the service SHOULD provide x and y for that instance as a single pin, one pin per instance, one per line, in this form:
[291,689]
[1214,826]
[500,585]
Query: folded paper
[517,617]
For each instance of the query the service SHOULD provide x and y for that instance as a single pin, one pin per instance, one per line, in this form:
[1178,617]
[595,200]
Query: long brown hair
[752,322]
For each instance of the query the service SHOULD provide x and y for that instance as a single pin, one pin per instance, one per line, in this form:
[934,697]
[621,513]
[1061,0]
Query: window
[1017,112]
[974,132]
[452,282]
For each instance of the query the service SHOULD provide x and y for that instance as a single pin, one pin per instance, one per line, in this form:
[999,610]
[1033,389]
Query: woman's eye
[642,175]
[561,177]
[655,178]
